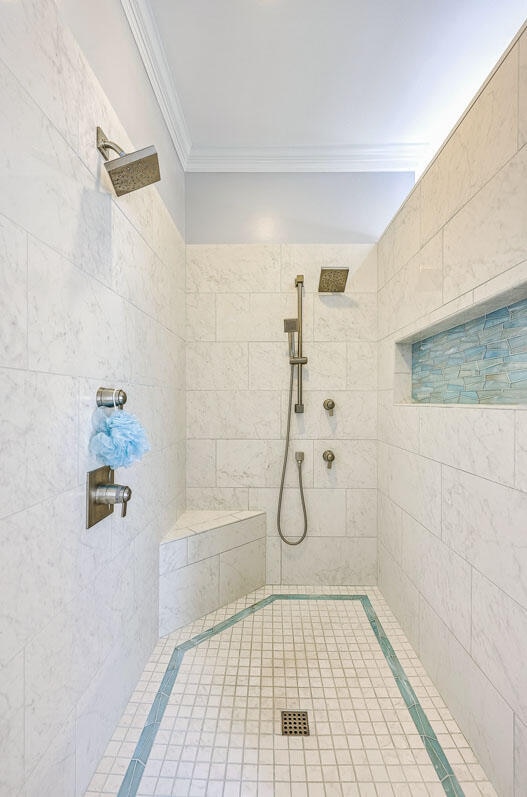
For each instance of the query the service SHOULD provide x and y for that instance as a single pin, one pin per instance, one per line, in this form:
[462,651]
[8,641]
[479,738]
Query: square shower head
[333,280]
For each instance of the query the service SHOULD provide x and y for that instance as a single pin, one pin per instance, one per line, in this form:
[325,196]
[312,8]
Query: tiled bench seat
[208,559]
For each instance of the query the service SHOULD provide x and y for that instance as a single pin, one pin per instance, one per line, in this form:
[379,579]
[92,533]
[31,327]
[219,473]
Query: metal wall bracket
[96,512]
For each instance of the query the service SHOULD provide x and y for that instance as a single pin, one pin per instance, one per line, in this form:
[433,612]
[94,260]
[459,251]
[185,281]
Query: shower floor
[205,718]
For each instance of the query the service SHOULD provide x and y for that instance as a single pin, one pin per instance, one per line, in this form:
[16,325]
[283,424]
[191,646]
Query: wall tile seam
[213,555]
[469,200]
[94,278]
[443,464]
[416,520]
[482,672]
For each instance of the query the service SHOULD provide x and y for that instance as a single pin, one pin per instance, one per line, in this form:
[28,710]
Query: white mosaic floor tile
[220,733]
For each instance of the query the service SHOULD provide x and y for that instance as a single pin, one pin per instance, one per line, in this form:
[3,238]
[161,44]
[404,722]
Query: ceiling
[305,85]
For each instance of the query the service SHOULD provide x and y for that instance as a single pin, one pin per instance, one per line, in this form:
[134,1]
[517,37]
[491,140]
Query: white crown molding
[152,52]
[384,158]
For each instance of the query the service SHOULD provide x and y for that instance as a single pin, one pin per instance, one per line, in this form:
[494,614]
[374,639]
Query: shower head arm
[103,145]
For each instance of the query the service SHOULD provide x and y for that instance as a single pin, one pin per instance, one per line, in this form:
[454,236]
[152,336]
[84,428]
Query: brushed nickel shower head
[129,171]
[333,280]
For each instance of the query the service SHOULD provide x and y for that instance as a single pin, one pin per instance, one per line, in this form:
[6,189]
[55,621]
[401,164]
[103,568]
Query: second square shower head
[333,280]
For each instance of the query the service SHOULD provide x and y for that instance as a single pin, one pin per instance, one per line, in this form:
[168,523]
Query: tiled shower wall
[238,377]
[453,480]
[92,293]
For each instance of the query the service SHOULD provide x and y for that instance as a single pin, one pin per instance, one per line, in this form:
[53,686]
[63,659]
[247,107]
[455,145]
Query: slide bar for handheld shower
[299,284]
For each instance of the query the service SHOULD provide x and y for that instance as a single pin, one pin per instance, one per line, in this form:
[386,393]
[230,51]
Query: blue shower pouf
[118,439]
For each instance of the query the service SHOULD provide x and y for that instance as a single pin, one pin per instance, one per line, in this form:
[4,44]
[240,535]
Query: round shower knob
[329,405]
[329,457]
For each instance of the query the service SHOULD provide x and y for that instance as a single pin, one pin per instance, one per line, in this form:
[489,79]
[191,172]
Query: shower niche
[477,357]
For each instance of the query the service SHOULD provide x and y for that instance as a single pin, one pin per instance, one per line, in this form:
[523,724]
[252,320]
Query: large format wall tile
[233,414]
[470,158]
[471,439]
[522,131]
[93,289]
[13,293]
[413,483]
[441,576]
[489,234]
[230,268]
[481,711]
[485,523]
[332,560]
[499,632]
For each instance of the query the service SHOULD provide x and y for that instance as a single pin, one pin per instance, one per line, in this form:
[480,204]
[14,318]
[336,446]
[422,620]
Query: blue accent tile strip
[481,362]
[136,767]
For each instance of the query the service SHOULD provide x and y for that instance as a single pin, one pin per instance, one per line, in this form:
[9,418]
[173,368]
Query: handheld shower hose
[299,458]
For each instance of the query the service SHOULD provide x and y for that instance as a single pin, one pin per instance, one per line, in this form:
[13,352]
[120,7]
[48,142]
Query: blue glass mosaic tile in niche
[481,362]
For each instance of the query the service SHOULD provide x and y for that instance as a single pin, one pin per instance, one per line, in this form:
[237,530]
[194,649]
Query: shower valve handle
[329,405]
[329,457]
[113,494]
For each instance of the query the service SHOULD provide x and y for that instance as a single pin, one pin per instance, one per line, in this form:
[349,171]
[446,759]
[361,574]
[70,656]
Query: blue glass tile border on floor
[136,767]
[483,361]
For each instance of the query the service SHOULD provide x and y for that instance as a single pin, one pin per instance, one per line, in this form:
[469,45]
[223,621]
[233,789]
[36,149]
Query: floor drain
[294,723]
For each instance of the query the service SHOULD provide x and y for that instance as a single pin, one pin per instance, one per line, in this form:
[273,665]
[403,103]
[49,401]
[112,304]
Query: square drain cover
[294,723]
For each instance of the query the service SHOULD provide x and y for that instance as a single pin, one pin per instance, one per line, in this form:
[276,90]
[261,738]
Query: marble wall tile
[218,498]
[52,54]
[308,259]
[362,365]
[242,570]
[201,316]
[71,318]
[14,391]
[485,523]
[233,414]
[413,483]
[440,575]
[201,463]
[57,767]
[522,121]
[361,513]
[326,511]
[12,725]
[421,279]
[385,257]
[226,268]
[363,278]
[499,633]
[332,560]
[217,366]
[269,367]
[13,295]
[172,556]
[521,451]
[476,440]
[482,713]
[53,197]
[398,423]
[259,316]
[257,463]
[355,464]
[189,595]
[273,560]
[469,158]
[489,234]
[401,594]
[326,368]
[511,283]
[233,535]
[406,229]
[391,527]
[520,757]
[342,316]
[354,415]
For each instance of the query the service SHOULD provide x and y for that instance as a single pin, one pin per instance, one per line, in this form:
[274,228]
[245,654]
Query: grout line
[442,767]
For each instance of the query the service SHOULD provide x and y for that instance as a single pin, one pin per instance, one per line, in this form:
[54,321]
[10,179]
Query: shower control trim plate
[102,494]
